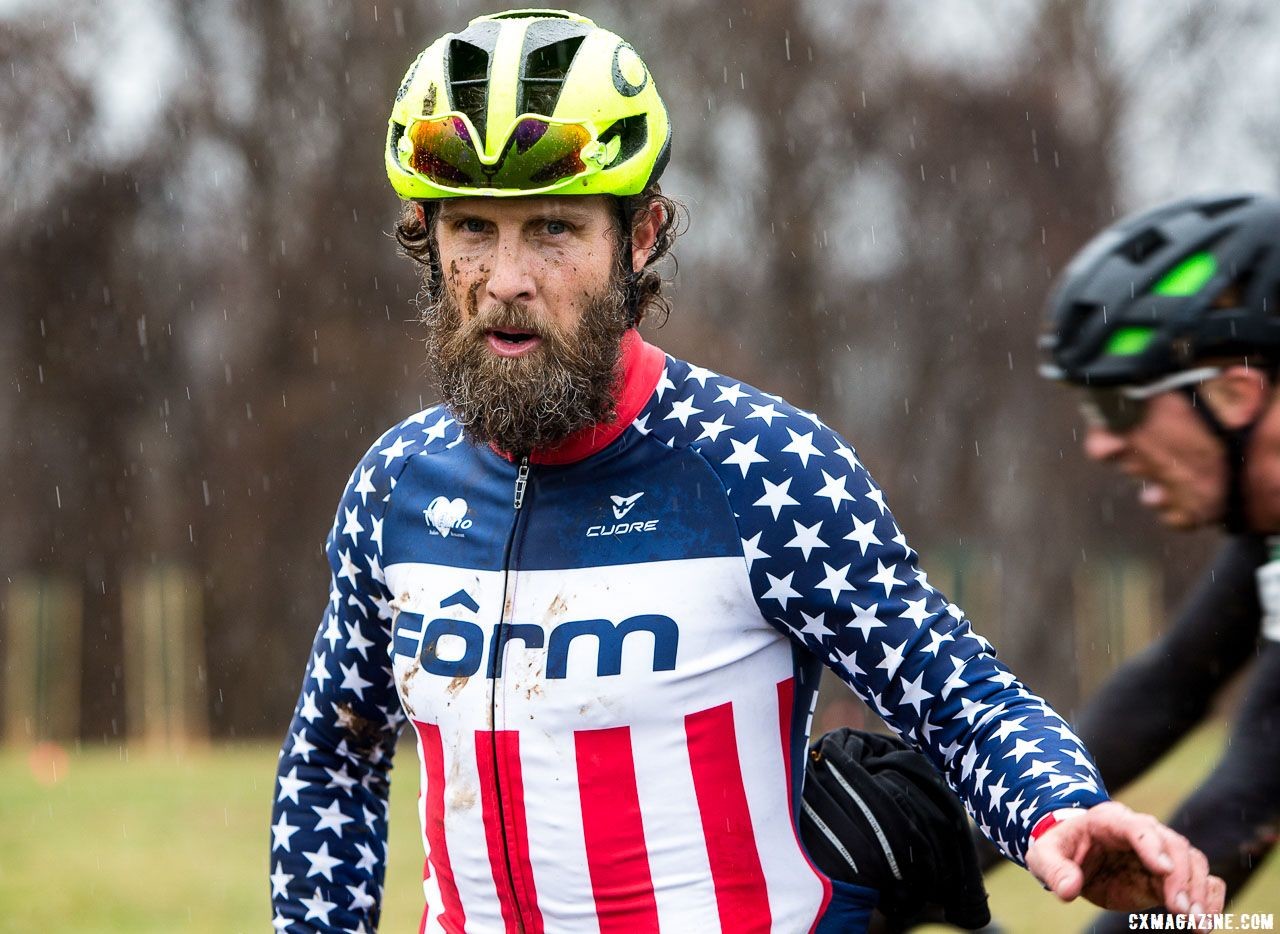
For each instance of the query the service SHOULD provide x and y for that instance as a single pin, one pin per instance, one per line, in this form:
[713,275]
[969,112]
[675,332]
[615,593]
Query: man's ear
[421,212]
[1238,396]
[644,234]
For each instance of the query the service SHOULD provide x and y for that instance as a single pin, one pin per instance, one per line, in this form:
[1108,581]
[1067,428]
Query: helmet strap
[1235,442]
[630,276]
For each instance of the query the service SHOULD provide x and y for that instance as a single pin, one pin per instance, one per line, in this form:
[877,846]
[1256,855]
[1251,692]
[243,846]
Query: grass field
[110,840]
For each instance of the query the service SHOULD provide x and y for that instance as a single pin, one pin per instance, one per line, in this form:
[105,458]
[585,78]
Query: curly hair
[417,238]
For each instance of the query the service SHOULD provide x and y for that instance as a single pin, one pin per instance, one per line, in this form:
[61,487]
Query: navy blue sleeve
[831,569]
[329,819]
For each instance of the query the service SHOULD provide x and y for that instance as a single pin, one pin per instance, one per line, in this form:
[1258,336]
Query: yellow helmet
[527,102]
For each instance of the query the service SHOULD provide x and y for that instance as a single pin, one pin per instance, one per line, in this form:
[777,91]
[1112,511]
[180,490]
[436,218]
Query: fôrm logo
[447,516]
[456,648]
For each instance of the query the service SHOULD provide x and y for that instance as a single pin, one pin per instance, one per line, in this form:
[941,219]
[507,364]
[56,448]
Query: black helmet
[1160,290]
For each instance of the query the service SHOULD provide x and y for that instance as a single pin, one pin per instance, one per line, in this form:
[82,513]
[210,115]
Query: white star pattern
[356,642]
[864,534]
[436,430]
[339,778]
[281,831]
[892,658]
[302,747]
[367,858]
[279,881]
[885,577]
[876,495]
[290,785]
[806,538]
[751,549]
[320,669]
[776,497]
[331,818]
[865,619]
[731,394]
[766,413]
[915,612]
[349,570]
[814,626]
[318,908]
[395,450]
[353,528]
[309,711]
[833,489]
[744,455]
[780,589]
[836,581]
[914,694]
[713,430]
[351,680]
[682,410]
[1008,727]
[321,862]
[363,486]
[937,639]
[360,898]
[802,447]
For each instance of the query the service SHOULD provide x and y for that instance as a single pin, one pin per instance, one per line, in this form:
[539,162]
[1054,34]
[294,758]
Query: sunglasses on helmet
[539,153]
[1120,409]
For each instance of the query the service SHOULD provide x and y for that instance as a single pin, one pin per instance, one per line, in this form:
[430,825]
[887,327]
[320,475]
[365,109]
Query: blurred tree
[206,323]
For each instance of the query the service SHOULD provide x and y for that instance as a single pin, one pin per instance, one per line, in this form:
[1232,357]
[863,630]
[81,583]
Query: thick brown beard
[522,404]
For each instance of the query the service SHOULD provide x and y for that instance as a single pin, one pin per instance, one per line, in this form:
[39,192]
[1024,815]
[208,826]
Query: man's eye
[473,225]
[557,227]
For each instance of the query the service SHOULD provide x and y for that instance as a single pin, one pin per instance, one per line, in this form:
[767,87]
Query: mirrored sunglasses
[538,153]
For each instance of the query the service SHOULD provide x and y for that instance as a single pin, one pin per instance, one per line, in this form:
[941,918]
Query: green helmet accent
[1127,342]
[526,102]
[1188,277]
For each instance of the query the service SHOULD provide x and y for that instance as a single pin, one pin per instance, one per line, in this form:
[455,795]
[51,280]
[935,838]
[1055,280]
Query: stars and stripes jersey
[607,656]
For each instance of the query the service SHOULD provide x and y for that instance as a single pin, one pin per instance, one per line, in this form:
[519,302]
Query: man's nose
[1101,444]
[511,279]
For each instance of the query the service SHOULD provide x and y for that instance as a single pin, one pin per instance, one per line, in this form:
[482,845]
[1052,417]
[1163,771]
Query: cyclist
[1168,319]
[599,582]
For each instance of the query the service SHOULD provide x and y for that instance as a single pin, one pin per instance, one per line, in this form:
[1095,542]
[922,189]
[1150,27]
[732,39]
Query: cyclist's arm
[329,819]
[1234,816]
[831,569]
[1161,694]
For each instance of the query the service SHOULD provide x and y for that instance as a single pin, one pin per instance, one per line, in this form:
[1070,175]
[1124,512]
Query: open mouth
[514,338]
[512,342]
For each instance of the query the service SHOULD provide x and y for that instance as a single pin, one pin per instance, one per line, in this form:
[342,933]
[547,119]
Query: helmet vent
[531,14]
[469,81]
[550,47]
[633,132]
[1080,316]
[544,73]
[1142,245]
[1222,206]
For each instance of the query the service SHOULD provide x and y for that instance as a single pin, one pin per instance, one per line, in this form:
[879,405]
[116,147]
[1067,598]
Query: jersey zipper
[499,645]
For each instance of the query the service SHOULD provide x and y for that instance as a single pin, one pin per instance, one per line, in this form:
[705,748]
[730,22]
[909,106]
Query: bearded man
[599,582]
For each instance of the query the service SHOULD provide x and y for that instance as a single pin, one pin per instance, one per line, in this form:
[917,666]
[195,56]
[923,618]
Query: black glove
[877,813]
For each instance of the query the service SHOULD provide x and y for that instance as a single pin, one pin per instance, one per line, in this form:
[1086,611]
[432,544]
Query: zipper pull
[522,480]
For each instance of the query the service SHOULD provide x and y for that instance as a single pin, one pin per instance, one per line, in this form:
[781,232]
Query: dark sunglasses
[1120,409]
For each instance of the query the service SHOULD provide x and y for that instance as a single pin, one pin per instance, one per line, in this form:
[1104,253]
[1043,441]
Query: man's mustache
[513,317]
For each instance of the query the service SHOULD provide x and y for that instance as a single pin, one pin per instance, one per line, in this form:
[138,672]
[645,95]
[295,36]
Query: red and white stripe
[605,848]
